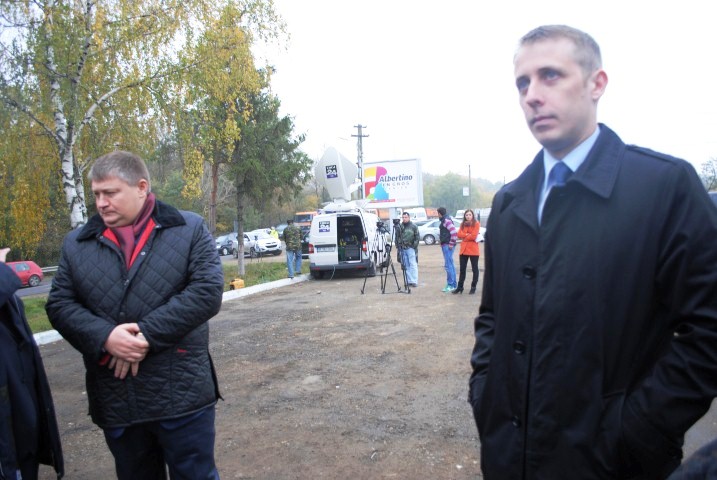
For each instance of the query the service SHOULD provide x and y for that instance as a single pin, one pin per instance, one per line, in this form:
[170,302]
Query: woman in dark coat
[28,429]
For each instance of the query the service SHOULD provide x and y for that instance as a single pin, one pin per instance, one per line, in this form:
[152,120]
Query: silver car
[258,243]
[430,231]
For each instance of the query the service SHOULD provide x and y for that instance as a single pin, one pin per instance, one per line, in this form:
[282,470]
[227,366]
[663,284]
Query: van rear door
[323,238]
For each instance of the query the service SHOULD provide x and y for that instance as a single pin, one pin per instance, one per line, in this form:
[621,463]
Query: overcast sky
[434,80]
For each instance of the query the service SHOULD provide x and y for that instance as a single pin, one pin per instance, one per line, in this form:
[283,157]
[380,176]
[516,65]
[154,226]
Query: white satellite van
[346,237]
[343,235]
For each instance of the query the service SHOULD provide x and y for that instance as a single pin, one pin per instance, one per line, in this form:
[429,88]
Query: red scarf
[128,235]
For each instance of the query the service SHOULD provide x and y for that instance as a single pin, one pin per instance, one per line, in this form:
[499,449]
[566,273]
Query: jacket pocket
[475,393]
[656,454]
[611,454]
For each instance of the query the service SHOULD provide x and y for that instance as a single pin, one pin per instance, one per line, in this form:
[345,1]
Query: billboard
[393,183]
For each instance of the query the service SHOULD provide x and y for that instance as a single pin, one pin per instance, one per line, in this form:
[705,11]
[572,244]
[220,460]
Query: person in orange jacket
[469,232]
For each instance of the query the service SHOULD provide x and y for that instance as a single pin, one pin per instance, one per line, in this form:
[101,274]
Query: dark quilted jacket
[172,289]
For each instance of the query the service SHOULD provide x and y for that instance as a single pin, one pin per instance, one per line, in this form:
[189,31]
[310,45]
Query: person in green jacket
[292,238]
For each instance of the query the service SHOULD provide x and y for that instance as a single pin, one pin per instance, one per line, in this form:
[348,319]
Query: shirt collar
[574,159]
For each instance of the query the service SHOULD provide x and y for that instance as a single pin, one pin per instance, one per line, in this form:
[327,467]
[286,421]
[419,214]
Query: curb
[50,336]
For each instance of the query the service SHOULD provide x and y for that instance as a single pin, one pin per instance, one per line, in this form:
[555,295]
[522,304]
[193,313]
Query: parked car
[430,231]
[258,243]
[29,273]
[224,243]
[280,228]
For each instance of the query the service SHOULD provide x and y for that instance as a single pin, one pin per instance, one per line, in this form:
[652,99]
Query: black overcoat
[596,340]
[28,426]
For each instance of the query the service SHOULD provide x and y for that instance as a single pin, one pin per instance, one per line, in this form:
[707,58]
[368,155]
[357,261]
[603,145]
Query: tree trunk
[212,221]
[74,199]
[240,227]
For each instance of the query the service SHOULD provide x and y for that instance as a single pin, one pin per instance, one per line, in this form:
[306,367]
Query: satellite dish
[337,174]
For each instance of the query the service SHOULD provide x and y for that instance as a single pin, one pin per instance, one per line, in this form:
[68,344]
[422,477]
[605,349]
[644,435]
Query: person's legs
[137,453]
[409,262]
[476,273]
[450,269]
[297,270]
[189,447]
[290,262]
[463,262]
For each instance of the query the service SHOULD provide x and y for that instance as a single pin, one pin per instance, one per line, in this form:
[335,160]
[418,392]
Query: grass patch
[35,313]
[256,273]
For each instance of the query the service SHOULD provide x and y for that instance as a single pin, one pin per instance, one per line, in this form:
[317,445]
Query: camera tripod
[386,266]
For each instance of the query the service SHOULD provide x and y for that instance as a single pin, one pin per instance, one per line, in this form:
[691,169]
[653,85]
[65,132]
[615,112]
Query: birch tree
[88,72]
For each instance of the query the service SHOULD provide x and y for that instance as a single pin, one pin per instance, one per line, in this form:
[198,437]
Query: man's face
[119,203]
[406,218]
[558,100]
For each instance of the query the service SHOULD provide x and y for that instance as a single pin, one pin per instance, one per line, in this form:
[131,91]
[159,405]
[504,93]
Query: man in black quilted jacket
[134,290]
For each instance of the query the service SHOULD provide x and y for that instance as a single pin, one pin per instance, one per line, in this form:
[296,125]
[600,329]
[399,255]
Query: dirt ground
[321,381]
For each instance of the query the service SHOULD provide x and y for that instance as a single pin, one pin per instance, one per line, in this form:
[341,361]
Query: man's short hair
[587,51]
[406,214]
[120,164]
[441,211]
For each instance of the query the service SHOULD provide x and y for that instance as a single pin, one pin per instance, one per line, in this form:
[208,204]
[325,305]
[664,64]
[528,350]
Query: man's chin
[112,221]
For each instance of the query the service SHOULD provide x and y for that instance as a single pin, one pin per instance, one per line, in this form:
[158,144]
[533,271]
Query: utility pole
[470,190]
[359,159]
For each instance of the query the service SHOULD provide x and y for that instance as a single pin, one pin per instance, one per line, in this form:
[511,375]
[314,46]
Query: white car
[258,243]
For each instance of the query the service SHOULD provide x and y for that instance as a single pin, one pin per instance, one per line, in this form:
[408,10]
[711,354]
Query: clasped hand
[128,347]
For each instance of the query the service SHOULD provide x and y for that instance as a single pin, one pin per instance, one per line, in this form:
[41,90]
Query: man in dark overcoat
[28,427]
[596,340]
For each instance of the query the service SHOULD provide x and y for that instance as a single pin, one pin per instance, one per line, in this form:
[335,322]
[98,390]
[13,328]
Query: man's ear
[143,186]
[599,84]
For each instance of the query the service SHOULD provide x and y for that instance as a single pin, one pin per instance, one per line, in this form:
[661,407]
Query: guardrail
[48,269]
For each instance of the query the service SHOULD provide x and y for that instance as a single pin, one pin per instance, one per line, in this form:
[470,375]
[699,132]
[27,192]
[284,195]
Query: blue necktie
[559,175]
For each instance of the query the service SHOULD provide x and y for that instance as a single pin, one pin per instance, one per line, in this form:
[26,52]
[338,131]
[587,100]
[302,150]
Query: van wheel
[317,274]
[429,239]
[253,253]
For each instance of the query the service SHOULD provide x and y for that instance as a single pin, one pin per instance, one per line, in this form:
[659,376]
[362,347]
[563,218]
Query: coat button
[519,347]
[515,421]
[529,272]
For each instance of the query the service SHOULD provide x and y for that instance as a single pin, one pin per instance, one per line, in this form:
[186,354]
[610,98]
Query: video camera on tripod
[382,244]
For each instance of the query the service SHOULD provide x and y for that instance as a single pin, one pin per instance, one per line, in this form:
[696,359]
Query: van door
[351,238]
[323,237]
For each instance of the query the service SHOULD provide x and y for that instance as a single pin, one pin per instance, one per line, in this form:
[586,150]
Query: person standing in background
[470,250]
[28,426]
[408,239]
[292,238]
[448,237]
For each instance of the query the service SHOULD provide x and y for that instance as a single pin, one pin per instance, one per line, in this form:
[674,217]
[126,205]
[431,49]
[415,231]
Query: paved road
[42,289]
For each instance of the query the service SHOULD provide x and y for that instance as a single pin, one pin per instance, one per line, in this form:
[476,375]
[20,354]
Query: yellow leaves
[192,174]
[25,181]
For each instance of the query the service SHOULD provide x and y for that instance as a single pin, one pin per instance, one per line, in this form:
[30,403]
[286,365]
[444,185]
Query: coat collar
[164,215]
[598,174]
